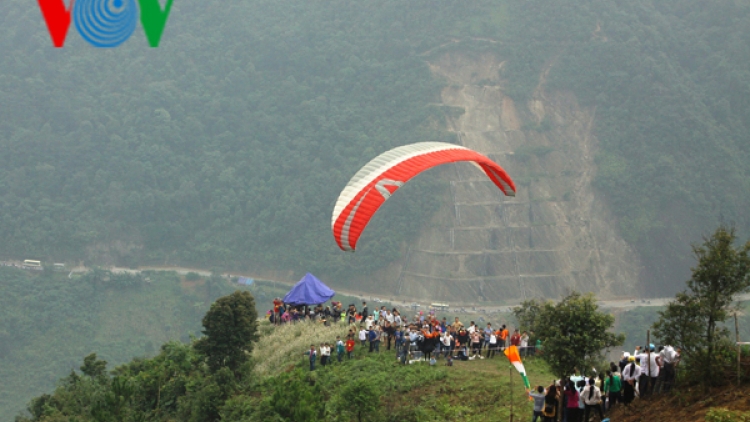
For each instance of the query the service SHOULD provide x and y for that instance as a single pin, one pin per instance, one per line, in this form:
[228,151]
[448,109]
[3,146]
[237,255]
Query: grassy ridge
[478,390]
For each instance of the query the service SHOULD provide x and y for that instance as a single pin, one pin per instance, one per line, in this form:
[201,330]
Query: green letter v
[154,19]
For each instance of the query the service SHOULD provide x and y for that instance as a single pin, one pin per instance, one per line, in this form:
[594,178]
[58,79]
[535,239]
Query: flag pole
[510,372]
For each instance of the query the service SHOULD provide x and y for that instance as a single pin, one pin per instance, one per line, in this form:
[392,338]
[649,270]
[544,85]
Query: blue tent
[309,291]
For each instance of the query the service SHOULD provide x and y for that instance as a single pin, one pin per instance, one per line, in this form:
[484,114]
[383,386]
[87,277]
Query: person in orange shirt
[502,338]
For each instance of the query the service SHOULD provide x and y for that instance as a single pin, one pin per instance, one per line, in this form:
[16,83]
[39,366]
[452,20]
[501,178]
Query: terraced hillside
[555,235]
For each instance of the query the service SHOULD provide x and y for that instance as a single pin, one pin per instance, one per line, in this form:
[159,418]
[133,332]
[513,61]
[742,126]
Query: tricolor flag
[512,354]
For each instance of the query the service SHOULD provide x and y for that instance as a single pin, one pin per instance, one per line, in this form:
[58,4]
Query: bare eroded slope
[554,236]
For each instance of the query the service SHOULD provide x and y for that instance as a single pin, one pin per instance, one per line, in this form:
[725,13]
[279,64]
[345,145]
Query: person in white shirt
[492,347]
[630,375]
[445,343]
[363,336]
[524,346]
[649,371]
[591,398]
[471,328]
[325,354]
[666,372]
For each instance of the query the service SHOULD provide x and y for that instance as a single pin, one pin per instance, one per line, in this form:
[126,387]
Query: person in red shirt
[276,305]
[515,339]
[349,346]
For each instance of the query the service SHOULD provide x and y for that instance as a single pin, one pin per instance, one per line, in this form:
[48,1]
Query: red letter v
[57,18]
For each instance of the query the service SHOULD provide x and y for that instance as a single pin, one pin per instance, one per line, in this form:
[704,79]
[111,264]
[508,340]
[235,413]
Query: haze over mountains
[624,125]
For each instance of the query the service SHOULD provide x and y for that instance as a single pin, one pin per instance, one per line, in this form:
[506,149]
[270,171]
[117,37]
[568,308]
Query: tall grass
[284,346]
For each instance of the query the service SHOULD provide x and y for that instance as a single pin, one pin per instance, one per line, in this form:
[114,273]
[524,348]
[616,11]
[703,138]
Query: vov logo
[105,23]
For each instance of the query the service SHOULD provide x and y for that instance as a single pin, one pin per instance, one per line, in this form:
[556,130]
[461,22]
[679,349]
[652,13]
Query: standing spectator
[340,348]
[630,375]
[457,325]
[551,401]
[524,344]
[571,402]
[538,346]
[667,373]
[351,314]
[397,318]
[312,354]
[538,397]
[515,339]
[462,344]
[649,371]
[374,336]
[365,311]
[476,350]
[349,346]
[624,361]
[388,331]
[591,397]
[276,315]
[362,335]
[486,339]
[398,339]
[325,354]
[612,388]
[502,338]
[445,343]
[493,346]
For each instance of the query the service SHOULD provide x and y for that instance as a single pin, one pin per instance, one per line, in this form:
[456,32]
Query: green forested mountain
[48,322]
[229,143]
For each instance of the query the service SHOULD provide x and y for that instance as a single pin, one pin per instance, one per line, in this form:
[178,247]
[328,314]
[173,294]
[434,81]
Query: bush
[725,415]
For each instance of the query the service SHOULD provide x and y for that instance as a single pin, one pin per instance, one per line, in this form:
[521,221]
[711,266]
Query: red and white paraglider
[382,176]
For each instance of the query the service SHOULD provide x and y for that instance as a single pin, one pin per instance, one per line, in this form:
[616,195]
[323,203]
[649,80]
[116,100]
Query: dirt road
[615,303]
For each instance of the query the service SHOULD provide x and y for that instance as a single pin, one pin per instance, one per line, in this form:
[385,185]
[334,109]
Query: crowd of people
[424,336]
[421,336]
[577,398]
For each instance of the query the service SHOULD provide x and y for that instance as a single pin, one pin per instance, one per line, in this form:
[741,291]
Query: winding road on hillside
[614,303]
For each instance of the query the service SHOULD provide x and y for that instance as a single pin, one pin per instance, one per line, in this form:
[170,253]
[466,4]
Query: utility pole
[648,351]
[739,349]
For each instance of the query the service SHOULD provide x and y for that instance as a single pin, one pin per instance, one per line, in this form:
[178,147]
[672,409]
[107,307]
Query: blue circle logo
[105,23]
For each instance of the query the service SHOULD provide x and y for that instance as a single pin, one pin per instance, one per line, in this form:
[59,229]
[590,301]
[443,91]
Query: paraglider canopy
[374,183]
[309,291]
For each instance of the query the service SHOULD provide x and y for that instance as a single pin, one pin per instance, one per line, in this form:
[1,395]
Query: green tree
[527,313]
[230,329]
[692,321]
[362,397]
[94,367]
[575,333]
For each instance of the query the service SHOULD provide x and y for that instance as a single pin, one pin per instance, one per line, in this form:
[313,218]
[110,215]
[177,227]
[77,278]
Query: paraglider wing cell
[380,178]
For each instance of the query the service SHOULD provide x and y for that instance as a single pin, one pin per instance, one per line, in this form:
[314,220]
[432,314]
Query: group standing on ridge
[422,337]
[645,372]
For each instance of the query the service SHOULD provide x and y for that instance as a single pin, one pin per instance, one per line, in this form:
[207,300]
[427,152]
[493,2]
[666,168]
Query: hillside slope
[556,235]
[49,322]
